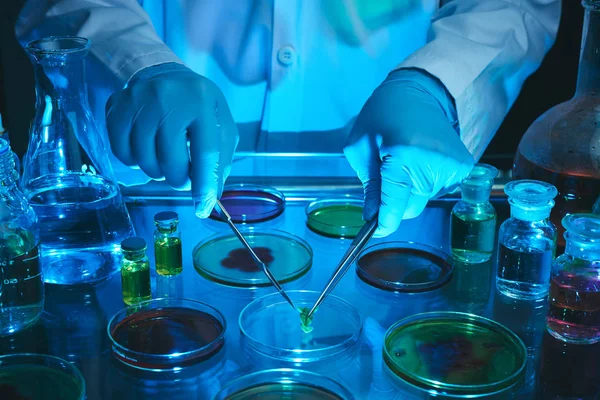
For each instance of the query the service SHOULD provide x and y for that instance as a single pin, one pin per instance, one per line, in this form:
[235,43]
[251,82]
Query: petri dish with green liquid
[455,355]
[336,217]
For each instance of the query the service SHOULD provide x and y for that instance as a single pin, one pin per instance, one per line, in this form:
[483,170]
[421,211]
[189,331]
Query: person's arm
[482,51]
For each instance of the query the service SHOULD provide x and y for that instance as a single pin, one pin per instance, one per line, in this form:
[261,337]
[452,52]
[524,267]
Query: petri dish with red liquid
[223,259]
[166,334]
[335,217]
[250,203]
[404,267]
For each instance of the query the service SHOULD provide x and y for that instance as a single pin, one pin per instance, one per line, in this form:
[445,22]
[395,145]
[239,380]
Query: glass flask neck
[582,247]
[588,78]
[8,174]
[475,194]
[136,255]
[528,213]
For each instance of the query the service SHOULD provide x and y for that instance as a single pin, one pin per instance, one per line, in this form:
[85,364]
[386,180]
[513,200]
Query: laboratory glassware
[250,203]
[6,136]
[473,221]
[67,175]
[135,271]
[562,147]
[527,241]
[21,284]
[167,244]
[574,314]
[336,217]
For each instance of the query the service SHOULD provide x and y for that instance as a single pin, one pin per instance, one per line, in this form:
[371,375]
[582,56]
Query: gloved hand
[405,148]
[150,121]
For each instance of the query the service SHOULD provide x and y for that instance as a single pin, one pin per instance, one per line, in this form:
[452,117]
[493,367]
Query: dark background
[553,83]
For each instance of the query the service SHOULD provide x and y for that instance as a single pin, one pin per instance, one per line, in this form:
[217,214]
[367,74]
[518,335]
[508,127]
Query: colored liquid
[574,314]
[287,391]
[250,205]
[21,285]
[472,238]
[305,320]
[135,281]
[471,284]
[33,382]
[337,220]
[168,255]
[242,260]
[523,273]
[169,331]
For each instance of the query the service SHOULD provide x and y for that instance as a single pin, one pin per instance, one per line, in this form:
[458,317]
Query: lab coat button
[286,55]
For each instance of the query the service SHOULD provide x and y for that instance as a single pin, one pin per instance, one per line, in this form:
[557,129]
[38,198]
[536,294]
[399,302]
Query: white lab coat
[299,71]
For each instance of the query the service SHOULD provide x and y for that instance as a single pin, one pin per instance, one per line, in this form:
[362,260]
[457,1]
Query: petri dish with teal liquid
[39,377]
[336,217]
[223,259]
[166,334]
[404,267]
[250,203]
[455,355]
[283,383]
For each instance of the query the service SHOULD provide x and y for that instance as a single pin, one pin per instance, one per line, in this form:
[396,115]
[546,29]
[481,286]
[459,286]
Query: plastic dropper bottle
[527,241]
[574,314]
[473,222]
[135,271]
[167,244]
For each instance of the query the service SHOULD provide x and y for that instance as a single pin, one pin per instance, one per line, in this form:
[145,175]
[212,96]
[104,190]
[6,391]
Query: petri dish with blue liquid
[283,383]
[223,259]
[335,217]
[250,203]
[166,334]
[455,355]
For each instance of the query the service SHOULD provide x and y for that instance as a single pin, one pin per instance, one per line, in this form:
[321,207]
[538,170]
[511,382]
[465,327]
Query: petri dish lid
[269,326]
[55,378]
[404,267]
[223,259]
[250,203]
[275,384]
[455,354]
[166,334]
[335,216]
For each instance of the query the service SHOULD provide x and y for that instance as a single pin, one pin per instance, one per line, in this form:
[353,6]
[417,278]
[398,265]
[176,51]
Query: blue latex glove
[405,148]
[150,121]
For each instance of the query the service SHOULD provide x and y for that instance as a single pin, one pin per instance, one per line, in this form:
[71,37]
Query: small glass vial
[167,244]
[135,271]
[527,241]
[21,284]
[473,223]
[574,314]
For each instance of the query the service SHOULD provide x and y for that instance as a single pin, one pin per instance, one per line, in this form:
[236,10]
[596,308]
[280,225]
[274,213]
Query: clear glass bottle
[574,314]
[21,284]
[562,147]
[527,241]
[135,271]
[167,244]
[67,175]
[473,221]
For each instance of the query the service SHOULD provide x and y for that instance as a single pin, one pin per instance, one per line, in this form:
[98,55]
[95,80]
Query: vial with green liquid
[135,271]
[167,244]
[473,224]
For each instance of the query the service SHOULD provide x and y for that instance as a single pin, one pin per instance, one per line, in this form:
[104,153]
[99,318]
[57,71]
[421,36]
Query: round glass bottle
[21,284]
[574,314]
[167,244]
[473,221]
[527,241]
[135,271]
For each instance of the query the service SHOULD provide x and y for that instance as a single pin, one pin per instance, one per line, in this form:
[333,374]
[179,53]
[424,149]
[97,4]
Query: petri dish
[283,383]
[166,334]
[337,217]
[404,267]
[269,326]
[39,377]
[250,203]
[223,259]
[455,354]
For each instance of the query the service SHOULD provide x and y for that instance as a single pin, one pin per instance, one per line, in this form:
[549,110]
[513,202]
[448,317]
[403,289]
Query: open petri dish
[166,334]
[250,203]
[272,328]
[404,267]
[276,384]
[455,354]
[39,377]
[223,259]
[338,217]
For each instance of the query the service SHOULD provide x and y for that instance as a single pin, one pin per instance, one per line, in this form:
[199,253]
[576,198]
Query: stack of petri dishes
[335,217]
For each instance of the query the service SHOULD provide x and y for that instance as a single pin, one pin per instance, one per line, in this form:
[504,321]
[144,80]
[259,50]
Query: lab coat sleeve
[482,51]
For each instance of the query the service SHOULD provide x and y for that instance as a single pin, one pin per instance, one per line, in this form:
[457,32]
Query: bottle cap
[587,225]
[133,244]
[166,217]
[530,200]
[481,174]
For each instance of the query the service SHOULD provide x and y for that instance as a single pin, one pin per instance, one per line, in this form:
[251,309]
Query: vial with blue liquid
[527,241]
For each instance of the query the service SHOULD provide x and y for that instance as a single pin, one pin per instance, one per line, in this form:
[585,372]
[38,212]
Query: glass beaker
[67,175]
[562,147]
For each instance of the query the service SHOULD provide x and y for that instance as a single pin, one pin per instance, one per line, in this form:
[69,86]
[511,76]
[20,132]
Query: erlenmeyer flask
[67,175]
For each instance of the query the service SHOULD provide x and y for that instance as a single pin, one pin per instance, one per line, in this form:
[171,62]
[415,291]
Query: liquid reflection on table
[74,323]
